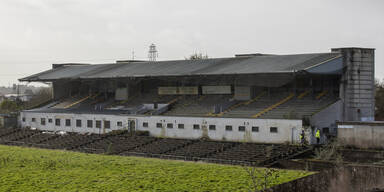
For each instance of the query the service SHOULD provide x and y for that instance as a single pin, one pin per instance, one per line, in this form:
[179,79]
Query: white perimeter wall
[361,135]
[287,129]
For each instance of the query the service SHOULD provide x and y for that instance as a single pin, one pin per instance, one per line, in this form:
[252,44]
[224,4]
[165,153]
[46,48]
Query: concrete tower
[357,86]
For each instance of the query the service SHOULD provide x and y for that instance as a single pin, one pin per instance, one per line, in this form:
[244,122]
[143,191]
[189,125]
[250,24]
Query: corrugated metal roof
[217,66]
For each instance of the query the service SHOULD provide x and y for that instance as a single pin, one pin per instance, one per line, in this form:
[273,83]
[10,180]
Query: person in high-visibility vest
[317,136]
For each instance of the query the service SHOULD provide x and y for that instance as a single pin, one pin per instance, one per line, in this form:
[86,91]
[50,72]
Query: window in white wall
[67,122]
[107,124]
[228,127]
[98,124]
[196,126]
[241,128]
[57,122]
[119,124]
[212,127]
[23,119]
[273,129]
[169,125]
[180,126]
[89,123]
[255,129]
[78,122]
[42,121]
[145,124]
[49,120]
[33,119]
[159,125]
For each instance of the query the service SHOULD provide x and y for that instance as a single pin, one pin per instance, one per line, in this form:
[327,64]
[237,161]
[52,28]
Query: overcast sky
[36,33]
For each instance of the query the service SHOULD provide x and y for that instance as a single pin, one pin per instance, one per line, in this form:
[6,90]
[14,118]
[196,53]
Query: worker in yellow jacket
[317,135]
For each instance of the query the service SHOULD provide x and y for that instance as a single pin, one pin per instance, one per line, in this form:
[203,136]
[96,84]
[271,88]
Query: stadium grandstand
[252,98]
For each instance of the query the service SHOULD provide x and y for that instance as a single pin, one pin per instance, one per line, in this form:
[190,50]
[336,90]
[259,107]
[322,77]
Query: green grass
[30,169]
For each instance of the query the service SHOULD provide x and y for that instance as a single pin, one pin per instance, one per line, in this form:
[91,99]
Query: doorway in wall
[132,125]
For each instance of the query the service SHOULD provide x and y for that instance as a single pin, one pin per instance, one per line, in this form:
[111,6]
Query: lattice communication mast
[152,53]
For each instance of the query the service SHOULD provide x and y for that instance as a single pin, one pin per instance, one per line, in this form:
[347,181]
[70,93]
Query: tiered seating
[138,100]
[77,102]
[201,149]
[283,105]
[272,107]
[38,138]
[13,137]
[69,141]
[87,103]
[297,108]
[67,102]
[239,104]
[4,132]
[243,152]
[280,152]
[162,146]
[116,144]
[197,105]
[124,144]
[256,153]
[322,94]
[151,97]
[261,104]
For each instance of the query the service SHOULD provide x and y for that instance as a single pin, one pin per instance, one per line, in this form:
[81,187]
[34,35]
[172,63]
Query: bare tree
[262,177]
[379,100]
[8,106]
[197,56]
[329,152]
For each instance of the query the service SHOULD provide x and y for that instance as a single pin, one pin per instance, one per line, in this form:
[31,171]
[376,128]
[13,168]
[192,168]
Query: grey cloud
[36,33]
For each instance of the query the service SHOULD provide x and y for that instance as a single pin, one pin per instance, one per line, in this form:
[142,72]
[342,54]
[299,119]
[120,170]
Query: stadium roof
[262,64]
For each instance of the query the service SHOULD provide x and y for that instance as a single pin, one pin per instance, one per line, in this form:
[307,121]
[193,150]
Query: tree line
[44,95]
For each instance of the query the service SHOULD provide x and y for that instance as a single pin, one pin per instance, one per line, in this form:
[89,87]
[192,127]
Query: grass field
[30,169]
